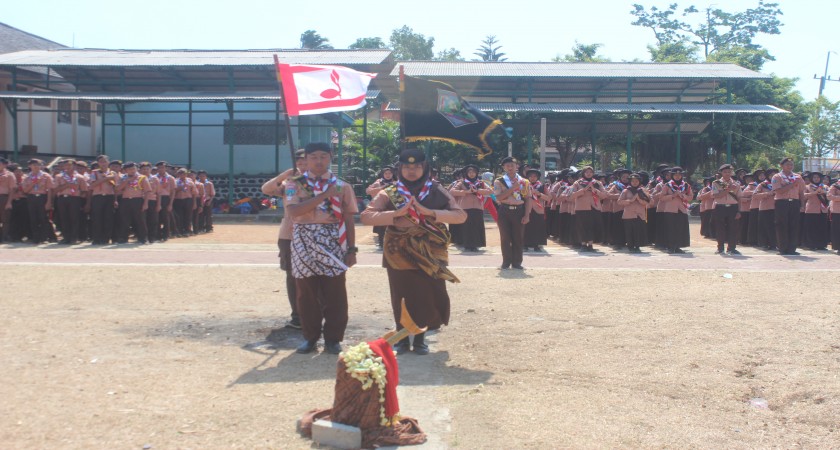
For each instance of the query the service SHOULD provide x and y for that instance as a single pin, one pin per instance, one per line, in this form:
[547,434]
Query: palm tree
[310,39]
[487,51]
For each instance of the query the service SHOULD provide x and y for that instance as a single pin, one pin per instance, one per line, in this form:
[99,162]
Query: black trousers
[182,208]
[322,304]
[164,222]
[511,233]
[635,232]
[38,221]
[752,231]
[70,209]
[131,215]
[102,218]
[5,218]
[835,230]
[706,223]
[726,226]
[285,246]
[152,221]
[767,228]
[787,224]
[20,220]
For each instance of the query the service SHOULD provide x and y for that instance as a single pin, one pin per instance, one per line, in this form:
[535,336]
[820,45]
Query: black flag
[432,110]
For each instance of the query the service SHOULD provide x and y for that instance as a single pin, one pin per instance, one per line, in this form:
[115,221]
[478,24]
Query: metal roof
[173,58]
[14,40]
[621,108]
[146,97]
[575,70]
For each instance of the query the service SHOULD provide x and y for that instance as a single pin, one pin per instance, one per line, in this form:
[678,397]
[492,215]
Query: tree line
[682,35]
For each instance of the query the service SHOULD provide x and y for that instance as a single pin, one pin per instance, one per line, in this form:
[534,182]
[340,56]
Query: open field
[181,345]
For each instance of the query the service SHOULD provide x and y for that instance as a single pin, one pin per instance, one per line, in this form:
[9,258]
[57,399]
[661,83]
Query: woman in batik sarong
[415,254]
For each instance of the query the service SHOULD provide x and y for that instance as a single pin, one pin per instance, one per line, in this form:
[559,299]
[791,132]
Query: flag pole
[289,137]
[402,107]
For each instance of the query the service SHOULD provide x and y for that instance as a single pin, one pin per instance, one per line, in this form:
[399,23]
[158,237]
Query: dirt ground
[134,349]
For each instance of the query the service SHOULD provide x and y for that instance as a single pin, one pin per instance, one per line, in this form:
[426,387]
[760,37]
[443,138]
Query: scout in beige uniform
[7,185]
[674,197]
[834,210]
[134,190]
[727,195]
[37,186]
[323,248]
[535,234]
[152,212]
[69,189]
[184,203]
[514,196]
[752,231]
[205,220]
[788,188]
[634,200]
[471,193]
[766,211]
[815,225]
[102,199]
[415,253]
[166,185]
[587,193]
[386,178]
[276,187]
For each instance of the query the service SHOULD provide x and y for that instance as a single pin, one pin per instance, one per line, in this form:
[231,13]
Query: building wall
[41,128]
[157,138]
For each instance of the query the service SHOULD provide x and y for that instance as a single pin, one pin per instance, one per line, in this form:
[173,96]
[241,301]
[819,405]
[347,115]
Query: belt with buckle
[36,195]
[790,199]
[513,206]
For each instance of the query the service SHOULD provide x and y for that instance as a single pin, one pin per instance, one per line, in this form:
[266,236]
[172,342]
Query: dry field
[134,349]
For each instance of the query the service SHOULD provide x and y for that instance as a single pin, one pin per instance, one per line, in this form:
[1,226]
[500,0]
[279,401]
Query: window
[253,132]
[84,113]
[44,102]
[65,114]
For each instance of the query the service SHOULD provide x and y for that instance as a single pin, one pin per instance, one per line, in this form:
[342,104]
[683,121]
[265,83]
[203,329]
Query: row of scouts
[776,210]
[317,244]
[104,202]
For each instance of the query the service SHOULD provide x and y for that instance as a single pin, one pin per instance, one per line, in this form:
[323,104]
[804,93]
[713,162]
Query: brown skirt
[425,297]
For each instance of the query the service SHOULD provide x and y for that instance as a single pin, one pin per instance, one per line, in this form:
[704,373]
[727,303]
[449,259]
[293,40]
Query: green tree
[489,51]
[449,54]
[821,134]
[310,39]
[711,30]
[677,52]
[383,138]
[408,45]
[367,43]
[583,53]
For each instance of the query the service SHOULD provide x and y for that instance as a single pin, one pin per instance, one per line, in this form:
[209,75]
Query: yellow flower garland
[363,365]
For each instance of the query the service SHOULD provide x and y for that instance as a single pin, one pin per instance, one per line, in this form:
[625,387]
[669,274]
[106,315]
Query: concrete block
[336,435]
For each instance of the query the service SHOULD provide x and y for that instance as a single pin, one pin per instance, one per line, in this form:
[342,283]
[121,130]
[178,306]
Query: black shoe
[719,251]
[793,253]
[420,346]
[679,251]
[293,323]
[402,346]
[307,347]
[505,266]
[518,267]
[734,252]
[332,347]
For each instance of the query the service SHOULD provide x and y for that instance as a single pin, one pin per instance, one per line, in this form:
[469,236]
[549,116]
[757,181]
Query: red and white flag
[321,89]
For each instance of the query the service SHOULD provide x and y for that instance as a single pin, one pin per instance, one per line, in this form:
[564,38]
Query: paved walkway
[553,257]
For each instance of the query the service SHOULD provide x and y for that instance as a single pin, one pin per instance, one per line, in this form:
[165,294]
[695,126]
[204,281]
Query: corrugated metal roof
[146,97]
[155,58]
[575,70]
[622,108]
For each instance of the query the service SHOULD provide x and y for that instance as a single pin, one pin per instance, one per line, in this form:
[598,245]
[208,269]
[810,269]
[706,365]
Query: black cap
[742,170]
[202,172]
[161,163]
[116,161]
[300,153]
[636,176]
[724,167]
[815,173]
[317,147]
[35,161]
[509,159]
[660,167]
[757,171]
[618,172]
[536,171]
[412,156]
[129,164]
[471,166]
[770,170]
[676,169]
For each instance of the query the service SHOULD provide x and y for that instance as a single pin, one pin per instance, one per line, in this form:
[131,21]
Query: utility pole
[825,76]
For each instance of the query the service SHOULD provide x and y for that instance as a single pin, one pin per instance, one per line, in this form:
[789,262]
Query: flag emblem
[450,106]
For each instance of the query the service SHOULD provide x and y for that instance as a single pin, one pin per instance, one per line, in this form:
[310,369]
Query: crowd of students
[105,202]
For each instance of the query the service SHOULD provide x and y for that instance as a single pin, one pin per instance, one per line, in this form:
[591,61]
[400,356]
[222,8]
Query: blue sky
[528,30]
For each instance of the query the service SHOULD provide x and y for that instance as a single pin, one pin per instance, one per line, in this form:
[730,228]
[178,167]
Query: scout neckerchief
[517,193]
[162,179]
[821,197]
[789,179]
[35,179]
[181,185]
[621,186]
[71,180]
[681,188]
[585,183]
[134,182]
[414,215]
[477,184]
[321,185]
[535,190]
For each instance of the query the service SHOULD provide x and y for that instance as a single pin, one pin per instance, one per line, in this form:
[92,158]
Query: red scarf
[321,185]
[583,182]
[681,188]
[406,195]
[392,375]
[477,185]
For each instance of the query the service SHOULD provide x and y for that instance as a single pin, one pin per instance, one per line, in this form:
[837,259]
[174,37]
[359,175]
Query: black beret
[509,159]
[676,169]
[471,166]
[129,165]
[317,147]
[412,156]
[536,171]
